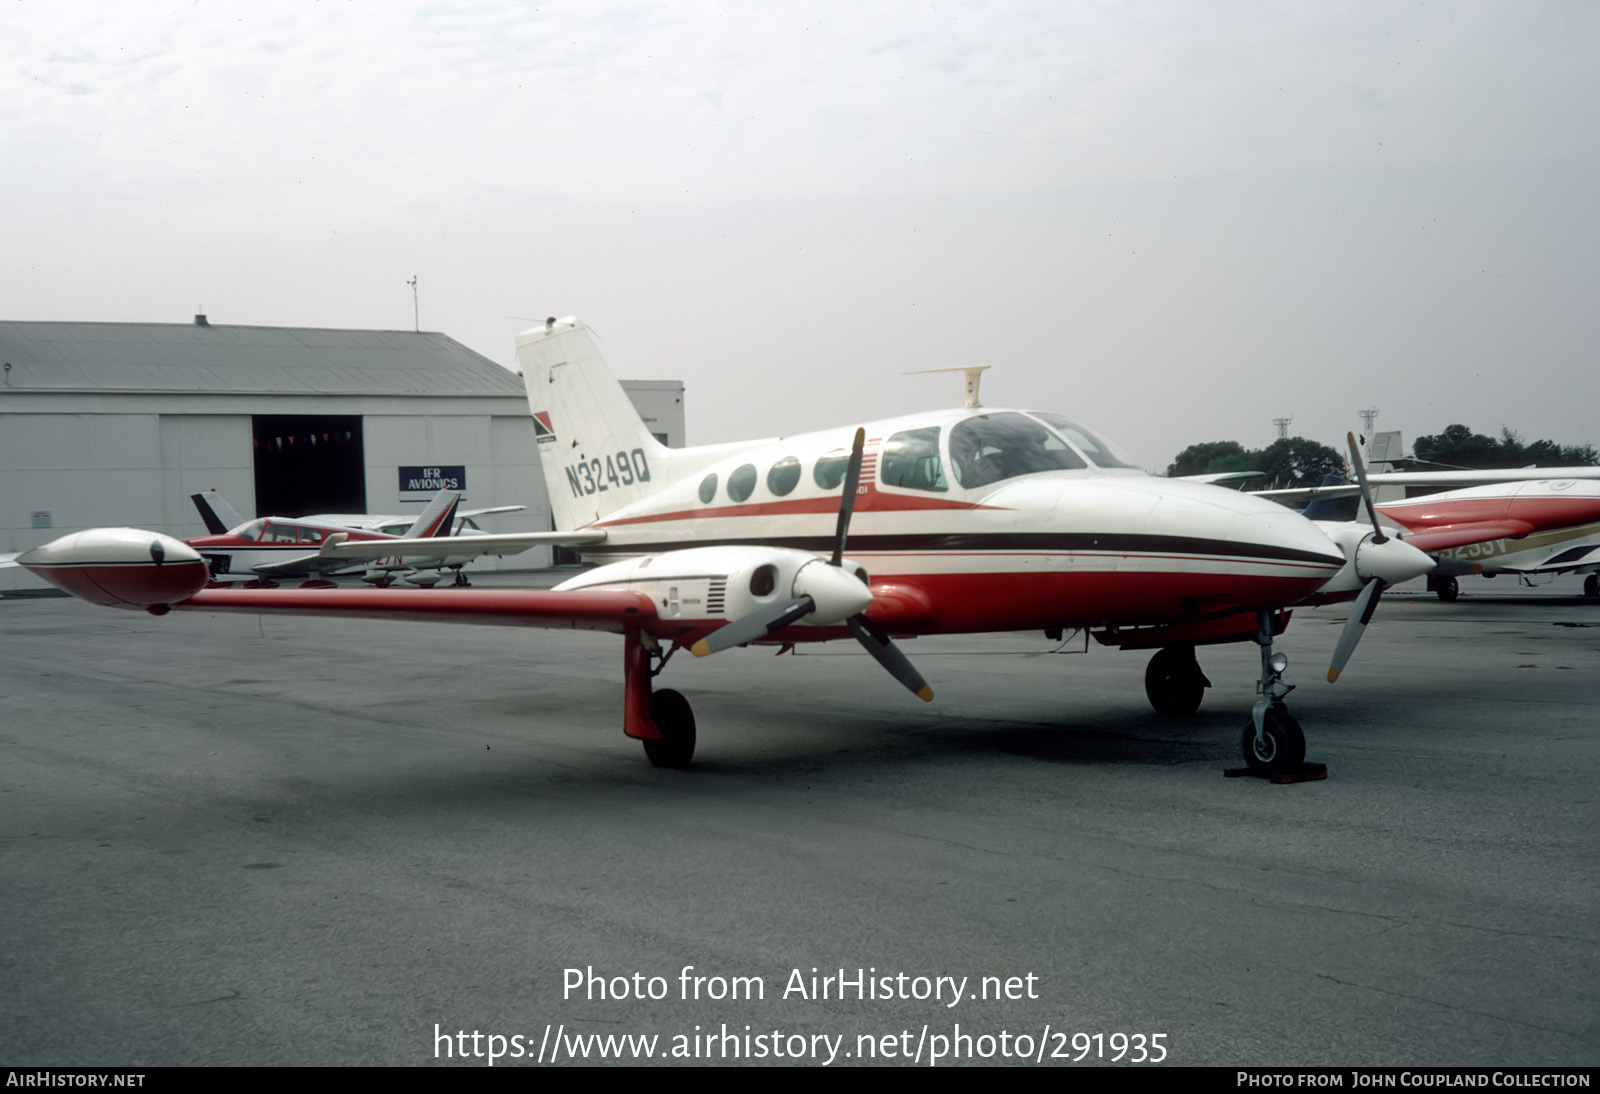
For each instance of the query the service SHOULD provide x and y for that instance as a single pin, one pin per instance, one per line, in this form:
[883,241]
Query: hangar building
[105,424]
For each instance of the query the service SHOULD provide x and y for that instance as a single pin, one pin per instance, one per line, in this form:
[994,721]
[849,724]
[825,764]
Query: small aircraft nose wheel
[1280,747]
[675,719]
[1174,683]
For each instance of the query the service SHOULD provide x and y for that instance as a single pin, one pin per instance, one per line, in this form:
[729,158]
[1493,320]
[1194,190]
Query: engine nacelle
[1392,561]
[724,583]
[120,567]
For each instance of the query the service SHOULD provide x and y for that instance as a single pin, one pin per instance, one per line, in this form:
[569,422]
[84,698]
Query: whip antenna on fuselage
[969,391]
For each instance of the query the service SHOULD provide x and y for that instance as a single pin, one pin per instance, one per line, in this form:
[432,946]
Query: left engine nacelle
[725,583]
[120,567]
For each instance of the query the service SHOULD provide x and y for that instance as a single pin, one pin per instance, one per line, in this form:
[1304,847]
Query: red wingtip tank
[120,568]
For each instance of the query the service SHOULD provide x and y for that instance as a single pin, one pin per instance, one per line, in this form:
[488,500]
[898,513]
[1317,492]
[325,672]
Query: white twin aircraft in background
[946,522]
[269,548]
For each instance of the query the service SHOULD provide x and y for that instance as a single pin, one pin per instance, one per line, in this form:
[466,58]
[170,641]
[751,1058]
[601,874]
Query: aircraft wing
[338,547]
[1434,478]
[584,610]
[486,512]
[1224,476]
[1446,536]
[308,565]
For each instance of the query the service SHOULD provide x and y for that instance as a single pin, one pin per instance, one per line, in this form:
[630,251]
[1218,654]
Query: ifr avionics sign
[422,483]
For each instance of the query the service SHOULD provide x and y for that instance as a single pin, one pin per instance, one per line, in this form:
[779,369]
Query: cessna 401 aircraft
[956,521]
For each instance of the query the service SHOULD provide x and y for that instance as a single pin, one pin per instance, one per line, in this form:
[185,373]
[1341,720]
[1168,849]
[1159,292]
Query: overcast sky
[1172,221]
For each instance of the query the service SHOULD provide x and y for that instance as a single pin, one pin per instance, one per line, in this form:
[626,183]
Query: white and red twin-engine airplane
[967,520]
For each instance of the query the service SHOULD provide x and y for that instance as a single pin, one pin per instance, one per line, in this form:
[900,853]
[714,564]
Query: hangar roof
[191,358]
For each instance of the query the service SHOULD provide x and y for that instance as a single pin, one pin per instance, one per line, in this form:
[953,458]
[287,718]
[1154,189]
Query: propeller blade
[1366,494]
[1354,627]
[847,501]
[877,643]
[755,626]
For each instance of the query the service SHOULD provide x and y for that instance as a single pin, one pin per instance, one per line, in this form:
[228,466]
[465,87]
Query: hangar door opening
[309,463]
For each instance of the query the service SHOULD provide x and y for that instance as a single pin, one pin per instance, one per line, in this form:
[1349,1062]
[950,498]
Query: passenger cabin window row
[984,449]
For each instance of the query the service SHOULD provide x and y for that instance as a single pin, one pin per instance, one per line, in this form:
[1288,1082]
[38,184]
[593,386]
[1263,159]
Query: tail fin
[438,519]
[219,517]
[1325,508]
[1386,448]
[596,453]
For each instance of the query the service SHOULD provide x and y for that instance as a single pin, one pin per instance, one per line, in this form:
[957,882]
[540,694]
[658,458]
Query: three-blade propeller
[839,594]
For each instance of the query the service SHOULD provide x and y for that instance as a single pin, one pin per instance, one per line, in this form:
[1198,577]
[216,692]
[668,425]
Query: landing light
[1279,662]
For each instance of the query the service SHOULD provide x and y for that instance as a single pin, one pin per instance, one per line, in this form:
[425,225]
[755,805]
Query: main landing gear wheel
[1591,585]
[1446,588]
[675,719]
[1174,683]
[1282,747]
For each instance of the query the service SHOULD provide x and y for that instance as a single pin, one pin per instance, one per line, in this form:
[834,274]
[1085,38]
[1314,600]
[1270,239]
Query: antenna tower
[1283,426]
[416,316]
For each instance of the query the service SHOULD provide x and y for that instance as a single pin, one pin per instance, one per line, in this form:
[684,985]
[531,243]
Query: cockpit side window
[1101,451]
[911,460]
[250,530]
[992,447]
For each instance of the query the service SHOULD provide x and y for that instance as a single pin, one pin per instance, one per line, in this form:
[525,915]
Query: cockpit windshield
[1098,449]
[250,530]
[992,447]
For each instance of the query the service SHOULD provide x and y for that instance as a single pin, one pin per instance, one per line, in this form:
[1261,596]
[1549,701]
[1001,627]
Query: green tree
[1197,458]
[1289,461]
[1458,446]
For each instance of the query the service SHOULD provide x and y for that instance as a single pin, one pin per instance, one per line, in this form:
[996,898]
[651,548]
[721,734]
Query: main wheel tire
[1283,749]
[675,719]
[1174,683]
[1591,585]
[1448,589]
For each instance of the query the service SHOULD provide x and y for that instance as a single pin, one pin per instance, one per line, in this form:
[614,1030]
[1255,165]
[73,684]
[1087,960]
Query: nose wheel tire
[675,719]
[1282,748]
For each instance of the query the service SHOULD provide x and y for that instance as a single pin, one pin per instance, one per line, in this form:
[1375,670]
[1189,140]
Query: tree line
[1296,461]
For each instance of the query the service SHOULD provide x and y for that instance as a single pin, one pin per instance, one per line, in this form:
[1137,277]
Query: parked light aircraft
[1525,521]
[956,521]
[275,547]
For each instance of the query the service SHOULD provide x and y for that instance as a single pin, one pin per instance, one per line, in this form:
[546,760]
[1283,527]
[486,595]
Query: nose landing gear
[1274,745]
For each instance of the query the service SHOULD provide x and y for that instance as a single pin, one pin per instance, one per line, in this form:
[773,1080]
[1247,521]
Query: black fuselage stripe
[1016,542]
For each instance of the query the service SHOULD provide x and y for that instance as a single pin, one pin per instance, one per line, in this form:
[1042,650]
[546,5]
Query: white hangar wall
[76,452]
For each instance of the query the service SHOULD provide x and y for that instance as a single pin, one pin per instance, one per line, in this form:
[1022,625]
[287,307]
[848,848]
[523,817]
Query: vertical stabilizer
[1386,449]
[596,453]
[438,519]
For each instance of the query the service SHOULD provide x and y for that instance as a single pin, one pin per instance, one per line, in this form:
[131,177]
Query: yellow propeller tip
[700,649]
[1333,675]
[926,694]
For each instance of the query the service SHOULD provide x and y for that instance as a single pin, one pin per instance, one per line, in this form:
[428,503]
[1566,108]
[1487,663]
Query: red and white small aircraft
[268,548]
[957,521]
[1525,521]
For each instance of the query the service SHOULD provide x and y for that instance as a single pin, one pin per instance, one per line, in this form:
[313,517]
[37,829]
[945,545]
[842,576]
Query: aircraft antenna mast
[416,316]
[1283,426]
